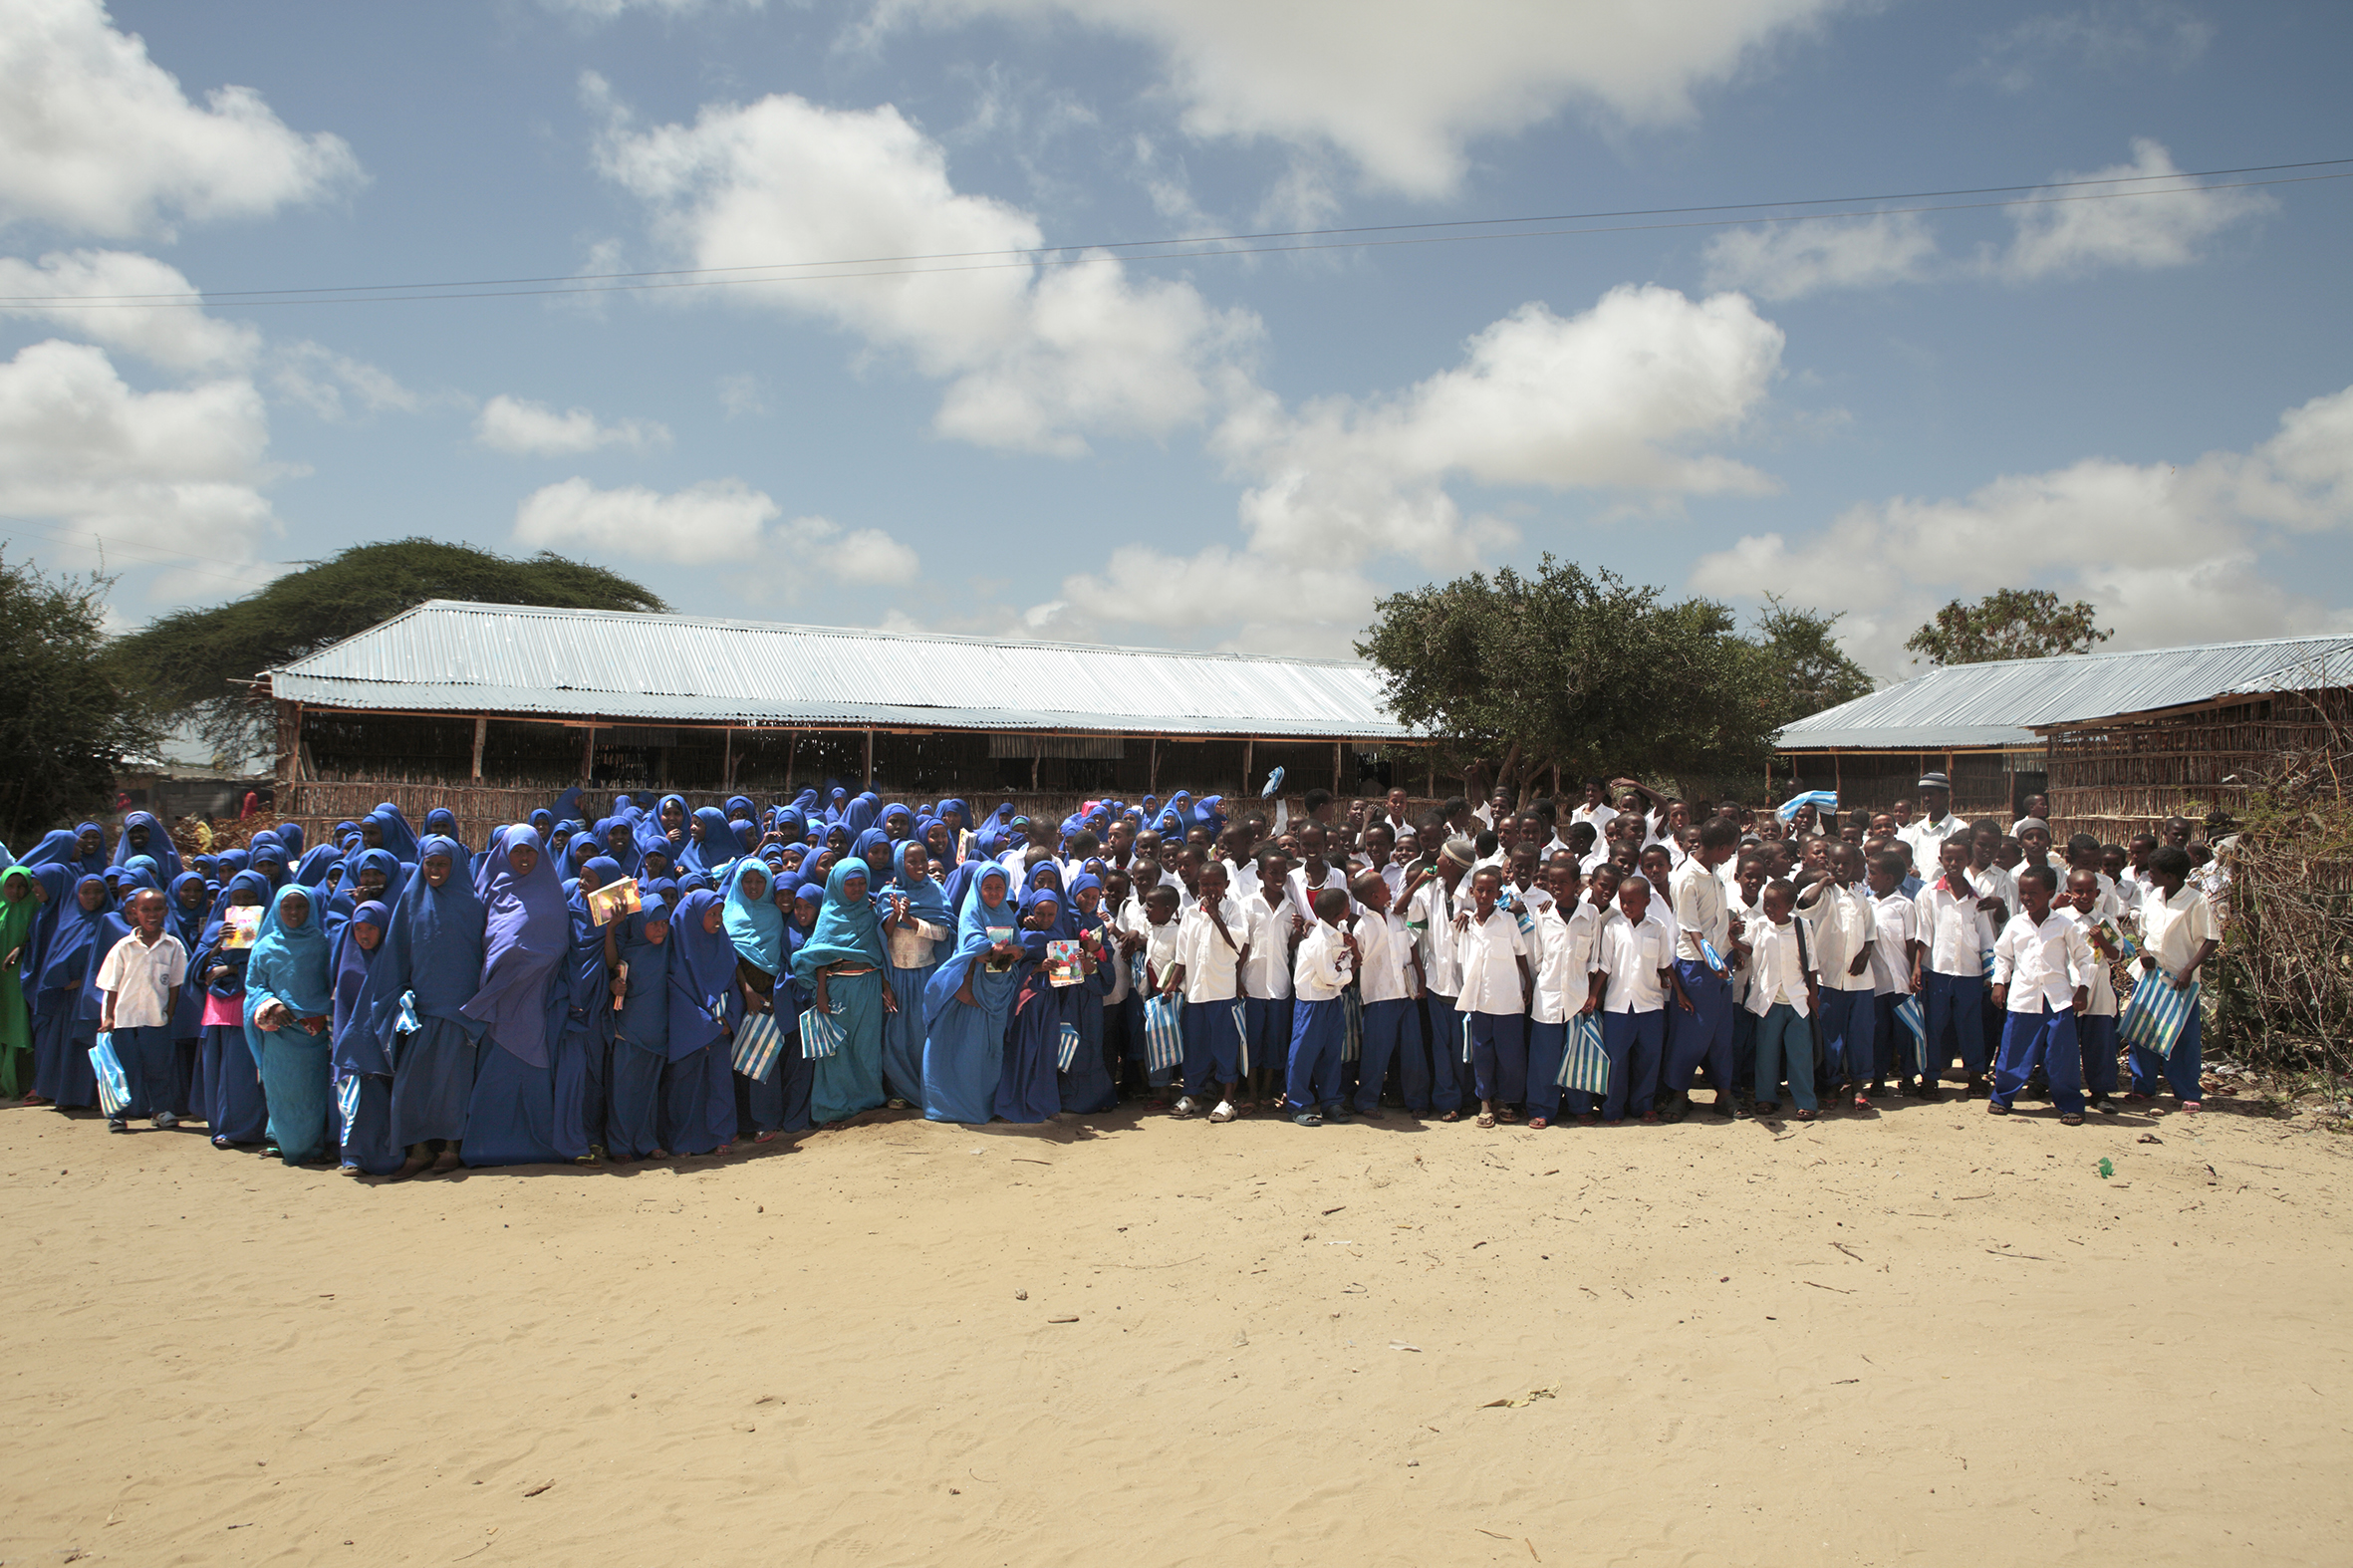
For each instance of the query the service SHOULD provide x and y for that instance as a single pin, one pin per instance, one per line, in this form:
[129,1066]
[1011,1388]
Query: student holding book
[1633,976]
[2179,933]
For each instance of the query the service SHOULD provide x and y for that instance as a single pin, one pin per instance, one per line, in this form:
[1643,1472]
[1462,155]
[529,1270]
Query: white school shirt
[1895,925]
[1839,925]
[1322,968]
[143,979]
[2042,963]
[1599,816]
[2173,930]
[1211,967]
[2102,1001]
[1266,974]
[1927,838]
[1432,913]
[1535,895]
[1297,894]
[1741,912]
[1490,975]
[1563,944]
[1955,931]
[1243,881]
[1160,942]
[1995,883]
[1632,954]
[1776,955]
[1383,943]
[1699,912]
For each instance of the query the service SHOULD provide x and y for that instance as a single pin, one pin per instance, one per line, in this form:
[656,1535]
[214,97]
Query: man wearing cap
[1433,1083]
[1935,823]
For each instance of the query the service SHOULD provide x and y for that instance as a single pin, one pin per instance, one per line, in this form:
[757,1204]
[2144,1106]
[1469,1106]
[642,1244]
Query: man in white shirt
[1431,1079]
[1209,958]
[1398,822]
[2095,911]
[1703,963]
[1935,823]
[1266,933]
[1894,962]
[2042,977]
[1957,934]
[2179,933]
[1597,809]
[138,977]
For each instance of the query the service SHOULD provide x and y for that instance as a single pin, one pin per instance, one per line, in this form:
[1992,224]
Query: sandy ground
[1927,1336]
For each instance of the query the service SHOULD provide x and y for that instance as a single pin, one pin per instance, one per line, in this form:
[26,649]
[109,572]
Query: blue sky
[2147,401]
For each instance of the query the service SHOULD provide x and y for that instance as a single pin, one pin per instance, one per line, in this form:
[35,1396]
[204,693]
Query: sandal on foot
[1803,1114]
[1537,1124]
[1486,1119]
[2191,1107]
[1507,1115]
[1996,1108]
[1451,1116]
[2071,1119]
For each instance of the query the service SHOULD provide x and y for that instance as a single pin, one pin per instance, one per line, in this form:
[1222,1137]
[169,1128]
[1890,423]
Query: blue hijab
[66,963]
[233,959]
[925,900]
[158,847]
[433,948]
[55,848]
[713,843]
[357,1050]
[704,999]
[625,852]
[527,930]
[95,863]
[394,830]
[755,925]
[978,914]
[1033,942]
[643,1013]
[442,821]
[290,962]
[395,876]
[847,931]
[184,923]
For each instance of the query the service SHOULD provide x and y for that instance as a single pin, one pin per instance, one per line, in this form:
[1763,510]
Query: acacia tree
[1588,673]
[1804,671]
[186,663]
[67,721]
[2013,622]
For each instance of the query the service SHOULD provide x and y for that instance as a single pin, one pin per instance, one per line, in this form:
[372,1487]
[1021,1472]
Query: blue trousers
[1704,1034]
[1743,1046]
[1313,1078]
[1634,1043]
[1389,1028]
[1266,1032]
[1213,1044]
[1848,1030]
[151,1066]
[2180,1070]
[2097,1035]
[1888,1034]
[1547,1044]
[1499,1056]
[2046,1040]
[1430,1070]
[1785,1044]
[1953,1006]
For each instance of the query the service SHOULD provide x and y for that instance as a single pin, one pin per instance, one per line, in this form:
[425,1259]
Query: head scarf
[1033,942]
[643,1018]
[396,874]
[713,843]
[704,994]
[290,962]
[627,851]
[527,933]
[440,821]
[977,916]
[924,899]
[159,847]
[185,924]
[56,848]
[16,918]
[394,829]
[866,841]
[839,799]
[232,959]
[67,961]
[739,807]
[357,1050]
[755,925]
[861,813]
[896,820]
[95,863]
[270,861]
[847,931]
[312,870]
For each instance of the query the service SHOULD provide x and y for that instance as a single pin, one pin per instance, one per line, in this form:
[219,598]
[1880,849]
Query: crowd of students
[665,982]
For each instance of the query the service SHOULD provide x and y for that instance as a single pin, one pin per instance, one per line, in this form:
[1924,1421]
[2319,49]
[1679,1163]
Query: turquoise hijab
[847,928]
[755,925]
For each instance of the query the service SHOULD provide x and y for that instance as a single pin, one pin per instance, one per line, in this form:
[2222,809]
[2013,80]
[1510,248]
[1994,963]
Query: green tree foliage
[2014,623]
[65,722]
[187,661]
[1595,675]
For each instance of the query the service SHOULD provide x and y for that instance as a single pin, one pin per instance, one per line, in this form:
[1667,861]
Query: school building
[2117,741]
[494,709]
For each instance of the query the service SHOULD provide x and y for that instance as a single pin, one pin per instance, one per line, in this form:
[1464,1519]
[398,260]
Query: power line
[1449,231]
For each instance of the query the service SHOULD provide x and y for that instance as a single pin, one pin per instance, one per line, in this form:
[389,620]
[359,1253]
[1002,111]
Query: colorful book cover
[612,900]
[240,925]
[1061,962]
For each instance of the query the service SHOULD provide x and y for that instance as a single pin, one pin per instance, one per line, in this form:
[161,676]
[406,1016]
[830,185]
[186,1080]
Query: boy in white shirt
[1388,972]
[1633,975]
[1702,963]
[2095,911]
[1895,961]
[1148,932]
[140,976]
[2042,969]
[1319,1022]
[1839,917]
[2179,933]
[1209,959]
[1562,938]
[1431,1077]
[1496,982]
[1266,974]
[1781,995]
[1313,874]
[1743,902]
[1955,933]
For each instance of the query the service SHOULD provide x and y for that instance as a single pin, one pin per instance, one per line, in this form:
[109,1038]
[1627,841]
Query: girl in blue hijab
[392,832]
[1087,1087]
[753,923]
[585,1052]
[916,921]
[428,968]
[638,953]
[60,1053]
[706,1008]
[710,845]
[89,851]
[842,964]
[289,1003]
[1027,1091]
[862,813]
[363,1069]
[514,1117]
[227,1092]
[440,822]
[143,835]
[967,1001]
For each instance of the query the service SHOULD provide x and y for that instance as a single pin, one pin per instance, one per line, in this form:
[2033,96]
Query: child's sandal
[1486,1119]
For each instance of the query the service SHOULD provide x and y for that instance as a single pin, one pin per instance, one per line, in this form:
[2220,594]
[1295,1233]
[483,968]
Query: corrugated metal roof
[450,656]
[2001,703]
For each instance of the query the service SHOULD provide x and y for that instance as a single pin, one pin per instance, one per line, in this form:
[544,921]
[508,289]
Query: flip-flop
[1486,1119]
[2071,1119]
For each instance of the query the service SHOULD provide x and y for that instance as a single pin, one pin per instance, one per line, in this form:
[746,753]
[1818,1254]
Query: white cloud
[606,10]
[743,394]
[177,337]
[317,377]
[97,138]
[716,521]
[1401,86]
[1035,358]
[2137,36]
[2167,553]
[1787,261]
[533,430]
[1614,399]
[178,470]
[2146,231]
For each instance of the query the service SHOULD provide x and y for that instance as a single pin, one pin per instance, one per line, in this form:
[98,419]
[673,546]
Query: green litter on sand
[2107,1167]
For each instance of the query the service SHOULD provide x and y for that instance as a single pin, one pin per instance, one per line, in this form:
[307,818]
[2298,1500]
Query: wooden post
[727,759]
[1336,767]
[1429,755]
[1248,747]
[869,759]
[289,747]
[481,734]
[587,756]
[1152,778]
[790,752]
[1837,779]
